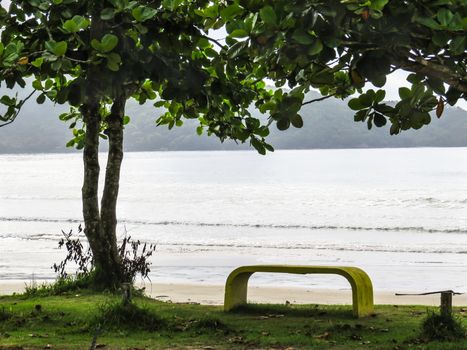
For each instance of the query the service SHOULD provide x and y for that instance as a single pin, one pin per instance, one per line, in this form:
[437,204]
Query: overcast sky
[394,81]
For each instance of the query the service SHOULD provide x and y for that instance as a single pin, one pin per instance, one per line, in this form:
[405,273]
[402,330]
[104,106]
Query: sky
[394,81]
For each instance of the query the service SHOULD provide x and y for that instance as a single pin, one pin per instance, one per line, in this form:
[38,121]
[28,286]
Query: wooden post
[446,303]
[126,287]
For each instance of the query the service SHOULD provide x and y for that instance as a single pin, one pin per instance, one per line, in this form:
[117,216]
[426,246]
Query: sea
[399,214]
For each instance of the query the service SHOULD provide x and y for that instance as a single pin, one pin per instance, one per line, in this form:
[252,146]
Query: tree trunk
[100,224]
[90,189]
[112,178]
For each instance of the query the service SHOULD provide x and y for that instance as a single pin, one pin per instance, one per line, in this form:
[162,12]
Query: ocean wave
[357,248]
[420,229]
[187,246]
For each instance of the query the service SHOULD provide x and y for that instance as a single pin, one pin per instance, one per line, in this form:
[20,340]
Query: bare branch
[18,109]
[213,40]
[318,99]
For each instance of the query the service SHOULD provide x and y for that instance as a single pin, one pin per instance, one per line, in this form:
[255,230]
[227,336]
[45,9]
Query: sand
[214,294]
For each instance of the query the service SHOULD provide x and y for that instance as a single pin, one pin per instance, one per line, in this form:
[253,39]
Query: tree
[338,46]
[95,55]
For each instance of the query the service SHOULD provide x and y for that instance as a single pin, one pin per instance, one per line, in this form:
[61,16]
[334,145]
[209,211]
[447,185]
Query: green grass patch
[60,286]
[117,316]
[71,321]
[442,327]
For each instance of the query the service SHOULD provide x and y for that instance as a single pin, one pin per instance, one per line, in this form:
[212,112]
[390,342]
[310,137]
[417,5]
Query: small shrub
[128,316]
[75,253]
[134,256]
[134,261]
[5,315]
[442,327]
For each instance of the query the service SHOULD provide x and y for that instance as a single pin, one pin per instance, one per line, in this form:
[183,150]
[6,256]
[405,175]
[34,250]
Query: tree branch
[213,40]
[434,70]
[318,99]
[18,107]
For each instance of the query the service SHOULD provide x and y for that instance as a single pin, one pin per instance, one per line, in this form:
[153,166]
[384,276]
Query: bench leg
[362,296]
[236,290]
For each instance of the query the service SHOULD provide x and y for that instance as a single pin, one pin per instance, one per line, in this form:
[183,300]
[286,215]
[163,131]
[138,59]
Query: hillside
[328,124]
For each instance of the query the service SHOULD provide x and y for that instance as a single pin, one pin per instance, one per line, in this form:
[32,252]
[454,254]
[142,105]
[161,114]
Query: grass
[442,327]
[70,321]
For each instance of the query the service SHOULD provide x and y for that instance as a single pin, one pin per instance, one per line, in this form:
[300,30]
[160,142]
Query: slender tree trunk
[90,189]
[112,179]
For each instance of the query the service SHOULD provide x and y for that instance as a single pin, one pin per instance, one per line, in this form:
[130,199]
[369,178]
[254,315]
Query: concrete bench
[362,289]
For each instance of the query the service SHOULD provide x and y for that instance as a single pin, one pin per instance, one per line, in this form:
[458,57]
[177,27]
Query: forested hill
[328,124]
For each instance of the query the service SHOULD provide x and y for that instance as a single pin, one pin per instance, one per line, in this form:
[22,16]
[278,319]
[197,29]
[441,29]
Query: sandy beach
[214,294]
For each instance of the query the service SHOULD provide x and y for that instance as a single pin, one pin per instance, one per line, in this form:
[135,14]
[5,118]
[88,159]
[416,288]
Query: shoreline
[214,294]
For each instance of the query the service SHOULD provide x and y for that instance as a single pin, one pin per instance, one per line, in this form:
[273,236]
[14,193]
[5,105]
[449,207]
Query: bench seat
[362,289]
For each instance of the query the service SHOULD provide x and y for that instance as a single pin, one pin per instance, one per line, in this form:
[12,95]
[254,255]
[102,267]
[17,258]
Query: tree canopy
[144,49]
[338,46]
[161,51]
[95,55]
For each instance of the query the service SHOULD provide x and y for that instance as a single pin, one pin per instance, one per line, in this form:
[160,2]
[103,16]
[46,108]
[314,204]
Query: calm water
[401,214]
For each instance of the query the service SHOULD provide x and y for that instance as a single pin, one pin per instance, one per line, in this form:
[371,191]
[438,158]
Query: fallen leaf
[325,335]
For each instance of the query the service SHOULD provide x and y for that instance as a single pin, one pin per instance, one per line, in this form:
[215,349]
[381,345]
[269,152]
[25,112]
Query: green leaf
[38,62]
[40,99]
[239,33]
[379,96]
[302,37]
[113,62]
[360,115]
[444,16]
[70,143]
[428,22]
[258,146]
[297,121]
[268,15]
[8,101]
[366,100]
[315,48]
[107,43]
[283,124]
[230,12]
[457,45]
[107,14]
[355,104]
[76,24]
[36,84]
[143,13]
[126,120]
[405,93]
[238,49]
[395,129]
[379,120]
[57,48]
